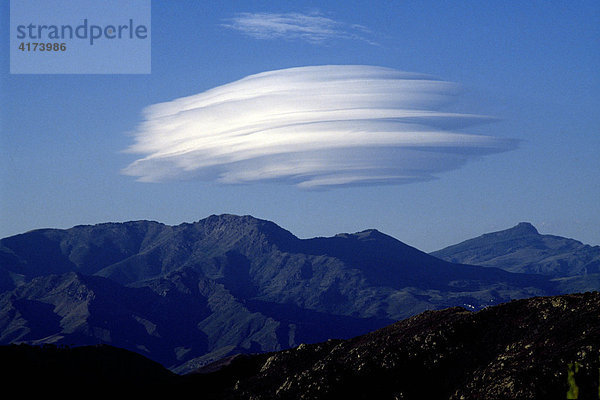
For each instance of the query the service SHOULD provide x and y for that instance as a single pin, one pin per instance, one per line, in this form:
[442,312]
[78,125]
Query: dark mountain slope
[181,318]
[74,309]
[538,348]
[522,249]
[393,263]
[518,350]
[72,372]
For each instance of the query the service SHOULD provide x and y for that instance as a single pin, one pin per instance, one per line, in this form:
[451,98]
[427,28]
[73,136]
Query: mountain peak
[524,228]
[366,234]
[233,228]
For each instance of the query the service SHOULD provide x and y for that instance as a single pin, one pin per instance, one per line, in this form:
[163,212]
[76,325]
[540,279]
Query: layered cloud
[314,28]
[315,127]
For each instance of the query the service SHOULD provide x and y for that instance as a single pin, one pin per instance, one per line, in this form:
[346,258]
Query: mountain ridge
[523,249]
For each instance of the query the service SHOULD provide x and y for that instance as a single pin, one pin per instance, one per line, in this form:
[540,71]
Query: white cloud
[318,126]
[314,28]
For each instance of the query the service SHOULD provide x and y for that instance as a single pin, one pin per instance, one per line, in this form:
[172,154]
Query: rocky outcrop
[539,348]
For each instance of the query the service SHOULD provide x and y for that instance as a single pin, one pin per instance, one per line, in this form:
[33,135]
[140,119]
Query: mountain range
[191,294]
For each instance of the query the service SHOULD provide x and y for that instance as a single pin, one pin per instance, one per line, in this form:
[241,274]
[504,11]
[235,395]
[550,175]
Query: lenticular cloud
[315,127]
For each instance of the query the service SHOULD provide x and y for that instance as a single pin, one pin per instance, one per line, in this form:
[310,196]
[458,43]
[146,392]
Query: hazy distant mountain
[538,348]
[189,294]
[522,249]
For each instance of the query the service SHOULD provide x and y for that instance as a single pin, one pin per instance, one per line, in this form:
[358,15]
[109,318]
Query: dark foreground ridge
[67,369]
[537,348]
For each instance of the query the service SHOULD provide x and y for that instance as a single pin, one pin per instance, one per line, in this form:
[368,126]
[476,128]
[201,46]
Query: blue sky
[533,65]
